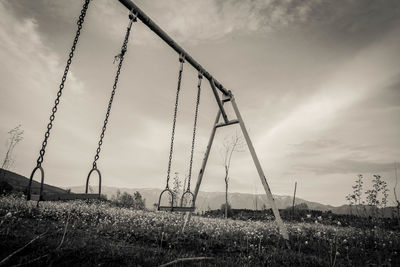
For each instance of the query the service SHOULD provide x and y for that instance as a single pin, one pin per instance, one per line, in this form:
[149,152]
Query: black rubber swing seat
[56,197]
[171,207]
[177,208]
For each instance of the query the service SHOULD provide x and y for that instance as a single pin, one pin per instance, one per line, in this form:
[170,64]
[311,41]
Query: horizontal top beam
[163,35]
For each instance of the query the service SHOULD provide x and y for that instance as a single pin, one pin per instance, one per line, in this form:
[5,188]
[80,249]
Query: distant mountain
[214,200]
[205,200]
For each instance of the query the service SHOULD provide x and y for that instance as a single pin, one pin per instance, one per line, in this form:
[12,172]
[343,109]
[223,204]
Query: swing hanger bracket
[200,77]
[133,16]
[227,98]
[182,58]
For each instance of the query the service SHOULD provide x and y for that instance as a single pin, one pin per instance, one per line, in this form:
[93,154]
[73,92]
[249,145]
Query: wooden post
[294,198]
[282,227]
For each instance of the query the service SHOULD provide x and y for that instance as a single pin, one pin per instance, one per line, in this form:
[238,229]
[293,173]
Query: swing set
[188,206]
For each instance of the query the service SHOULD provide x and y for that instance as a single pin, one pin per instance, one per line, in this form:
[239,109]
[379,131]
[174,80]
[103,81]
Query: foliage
[396,200]
[15,136]
[232,143]
[307,215]
[227,211]
[127,200]
[99,234]
[301,206]
[176,188]
[376,197]
[5,188]
[356,197]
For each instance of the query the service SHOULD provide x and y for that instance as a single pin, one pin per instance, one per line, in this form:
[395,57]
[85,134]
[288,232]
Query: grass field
[96,234]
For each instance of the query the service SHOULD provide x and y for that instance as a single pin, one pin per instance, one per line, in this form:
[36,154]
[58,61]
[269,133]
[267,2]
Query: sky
[317,84]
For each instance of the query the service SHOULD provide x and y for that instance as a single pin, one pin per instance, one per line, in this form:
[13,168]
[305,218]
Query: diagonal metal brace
[222,124]
[218,101]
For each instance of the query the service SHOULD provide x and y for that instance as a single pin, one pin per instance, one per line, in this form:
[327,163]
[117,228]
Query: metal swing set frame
[217,89]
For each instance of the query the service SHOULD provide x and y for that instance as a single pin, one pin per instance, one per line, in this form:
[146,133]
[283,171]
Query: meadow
[97,234]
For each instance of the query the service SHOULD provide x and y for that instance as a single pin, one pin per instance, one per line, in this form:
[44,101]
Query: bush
[301,206]
[127,200]
[5,188]
[307,216]
[229,209]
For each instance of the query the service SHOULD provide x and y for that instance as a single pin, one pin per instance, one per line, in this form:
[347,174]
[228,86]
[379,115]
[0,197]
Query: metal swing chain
[194,130]
[61,87]
[120,58]
[171,150]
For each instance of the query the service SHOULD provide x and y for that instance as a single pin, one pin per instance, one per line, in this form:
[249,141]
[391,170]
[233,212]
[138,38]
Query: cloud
[27,56]
[30,75]
[386,98]
[332,156]
[345,166]
[353,82]
[201,21]
[305,86]
[316,144]
[194,22]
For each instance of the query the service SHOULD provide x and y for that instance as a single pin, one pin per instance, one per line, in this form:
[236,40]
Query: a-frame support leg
[206,155]
[203,167]
[282,227]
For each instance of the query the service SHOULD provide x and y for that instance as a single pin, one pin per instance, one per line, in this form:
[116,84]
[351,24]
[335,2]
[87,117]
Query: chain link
[61,87]
[194,130]
[171,150]
[120,58]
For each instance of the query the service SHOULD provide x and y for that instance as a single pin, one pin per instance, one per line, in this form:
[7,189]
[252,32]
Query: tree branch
[22,248]
[186,259]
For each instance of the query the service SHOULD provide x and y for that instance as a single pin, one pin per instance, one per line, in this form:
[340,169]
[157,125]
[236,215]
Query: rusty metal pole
[278,219]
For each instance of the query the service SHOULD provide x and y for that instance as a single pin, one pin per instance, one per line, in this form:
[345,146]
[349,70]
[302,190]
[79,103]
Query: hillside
[98,234]
[20,183]
[205,201]
[213,200]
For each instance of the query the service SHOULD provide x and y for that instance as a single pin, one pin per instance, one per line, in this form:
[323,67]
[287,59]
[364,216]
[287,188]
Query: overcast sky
[317,83]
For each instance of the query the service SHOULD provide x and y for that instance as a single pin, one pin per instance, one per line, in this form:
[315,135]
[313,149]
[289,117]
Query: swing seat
[176,208]
[171,207]
[58,197]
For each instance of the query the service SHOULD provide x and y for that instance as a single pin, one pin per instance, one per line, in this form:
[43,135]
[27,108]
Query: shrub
[127,200]
[5,188]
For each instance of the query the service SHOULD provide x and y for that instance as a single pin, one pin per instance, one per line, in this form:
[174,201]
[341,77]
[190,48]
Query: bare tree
[378,195]
[16,136]
[397,202]
[356,198]
[232,143]
[185,200]
[176,188]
